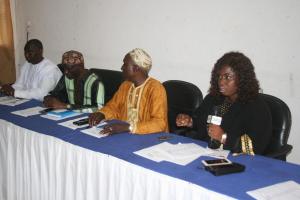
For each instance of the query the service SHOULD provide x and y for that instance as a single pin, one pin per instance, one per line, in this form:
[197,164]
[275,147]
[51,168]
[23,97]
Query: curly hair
[247,83]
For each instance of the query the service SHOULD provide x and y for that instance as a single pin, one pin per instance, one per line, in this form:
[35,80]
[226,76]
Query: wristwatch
[224,137]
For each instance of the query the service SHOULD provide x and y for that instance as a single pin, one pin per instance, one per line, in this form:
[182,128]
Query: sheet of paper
[29,111]
[217,153]
[56,118]
[5,98]
[181,154]
[94,131]
[155,153]
[56,112]
[11,101]
[281,191]
[69,124]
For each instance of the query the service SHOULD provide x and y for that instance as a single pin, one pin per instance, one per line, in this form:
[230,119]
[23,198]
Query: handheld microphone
[217,120]
[214,118]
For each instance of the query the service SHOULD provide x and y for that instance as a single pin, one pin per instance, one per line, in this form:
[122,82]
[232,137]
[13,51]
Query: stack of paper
[217,153]
[281,191]
[95,130]
[11,101]
[181,154]
[29,111]
[69,124]
[60,114]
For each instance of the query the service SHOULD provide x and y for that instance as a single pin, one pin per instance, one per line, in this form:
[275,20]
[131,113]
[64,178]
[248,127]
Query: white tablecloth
[35,166]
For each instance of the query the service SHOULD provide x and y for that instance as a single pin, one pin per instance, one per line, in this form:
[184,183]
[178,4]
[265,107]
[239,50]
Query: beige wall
[184,38]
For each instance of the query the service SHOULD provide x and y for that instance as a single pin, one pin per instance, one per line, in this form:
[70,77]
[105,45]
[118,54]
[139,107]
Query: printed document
[29,111]
[69,124]
[217,153]
[11,101]
[181,154]
[60,114]
[94,131]
[288,190]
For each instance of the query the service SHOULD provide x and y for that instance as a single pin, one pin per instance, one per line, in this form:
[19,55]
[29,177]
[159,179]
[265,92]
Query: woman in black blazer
[245,120]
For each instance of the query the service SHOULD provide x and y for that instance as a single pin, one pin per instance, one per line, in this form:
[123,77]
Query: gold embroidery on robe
[133,103]
[247,146]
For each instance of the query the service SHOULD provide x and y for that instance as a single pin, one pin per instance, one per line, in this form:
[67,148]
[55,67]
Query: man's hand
[8,90]
[115,128]
[95,118]
[52,102]
[184,120]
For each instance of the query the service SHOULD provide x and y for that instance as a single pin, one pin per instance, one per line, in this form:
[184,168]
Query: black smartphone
[165,137]
[81,122]
[46,110]
[218,170]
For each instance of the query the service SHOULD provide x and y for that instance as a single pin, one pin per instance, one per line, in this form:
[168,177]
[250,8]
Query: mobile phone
[164,137]
[215,162]
[81,122]
[46,110]
[218,170]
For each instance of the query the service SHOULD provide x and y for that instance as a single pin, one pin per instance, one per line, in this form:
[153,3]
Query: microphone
[214,118]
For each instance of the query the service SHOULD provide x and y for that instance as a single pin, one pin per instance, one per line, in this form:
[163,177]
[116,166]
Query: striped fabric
[87,98]
[70,89]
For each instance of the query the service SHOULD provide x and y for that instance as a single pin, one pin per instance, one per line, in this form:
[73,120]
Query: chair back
[281,126]
[111,80]
[61,67]
[183,97]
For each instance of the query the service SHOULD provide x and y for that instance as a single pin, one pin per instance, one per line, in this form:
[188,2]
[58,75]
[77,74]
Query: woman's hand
[215,132]
[184,120]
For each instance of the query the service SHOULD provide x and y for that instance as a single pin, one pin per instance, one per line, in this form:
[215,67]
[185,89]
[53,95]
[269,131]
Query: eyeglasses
[226,77]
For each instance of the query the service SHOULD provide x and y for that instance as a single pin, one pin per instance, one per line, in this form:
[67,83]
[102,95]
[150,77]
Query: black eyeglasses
[226,77]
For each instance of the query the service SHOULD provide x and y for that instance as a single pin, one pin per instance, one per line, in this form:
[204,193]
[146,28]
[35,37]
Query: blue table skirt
[260,171]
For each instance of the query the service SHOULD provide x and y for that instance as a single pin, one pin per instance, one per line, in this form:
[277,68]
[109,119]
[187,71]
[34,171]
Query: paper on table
[69,124]
[56,118]
[29,111]
[281,191]
[155,153]
[94,131]
[217,153]
[181,154]
[6,98]
[11,101]
[61,113]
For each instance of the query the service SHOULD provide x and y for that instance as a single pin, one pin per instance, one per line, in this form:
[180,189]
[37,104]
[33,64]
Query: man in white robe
[38,75]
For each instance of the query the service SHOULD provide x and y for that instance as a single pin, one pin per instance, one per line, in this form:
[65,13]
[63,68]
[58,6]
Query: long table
[40,159]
